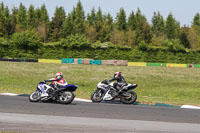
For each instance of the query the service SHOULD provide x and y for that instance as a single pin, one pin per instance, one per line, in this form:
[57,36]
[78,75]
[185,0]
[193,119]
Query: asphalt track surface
[20,115]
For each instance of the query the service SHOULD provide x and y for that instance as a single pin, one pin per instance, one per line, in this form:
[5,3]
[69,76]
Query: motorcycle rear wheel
[97,96]
[129,100]
[66,97]
[35,96]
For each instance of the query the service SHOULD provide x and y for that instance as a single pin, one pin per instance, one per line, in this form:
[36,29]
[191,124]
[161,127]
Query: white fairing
[103,86]
[45,86]
[100,85]
[132,84]
[111,84]
[48,87]
[40,87]
[107,96]
[125,87]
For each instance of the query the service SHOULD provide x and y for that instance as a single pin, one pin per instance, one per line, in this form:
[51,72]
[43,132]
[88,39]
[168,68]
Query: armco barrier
[68,60]
[197,65]
[109,62]
[193,65]
[115,62]
[75,61]
[95,62]
[79,61]
[18,60]
[176,65]
[86,61]
[137,64]
[157,64]
[121,63]
[49,61]
[99,62]
[31,60]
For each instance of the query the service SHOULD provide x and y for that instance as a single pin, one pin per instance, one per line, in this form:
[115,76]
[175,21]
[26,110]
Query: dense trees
[171,27]
[28,40]
[79,22]
[158,24]
[96,26]
[121,20]
[56,24]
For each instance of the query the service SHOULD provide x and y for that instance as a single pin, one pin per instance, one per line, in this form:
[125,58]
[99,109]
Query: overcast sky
[182,10]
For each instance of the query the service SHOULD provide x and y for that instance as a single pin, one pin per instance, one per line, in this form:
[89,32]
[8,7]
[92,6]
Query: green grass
[155,84]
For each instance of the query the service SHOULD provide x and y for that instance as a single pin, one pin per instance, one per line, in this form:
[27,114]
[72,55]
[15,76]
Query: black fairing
[66,88]
[69,87]
[131,87]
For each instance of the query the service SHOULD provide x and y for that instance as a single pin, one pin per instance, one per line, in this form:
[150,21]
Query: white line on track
[8,94]
[86,100]
[76,99]
[82,100]
[190,107]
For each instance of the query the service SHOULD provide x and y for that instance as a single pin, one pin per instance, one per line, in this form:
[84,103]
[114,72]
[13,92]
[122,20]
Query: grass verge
[155,84]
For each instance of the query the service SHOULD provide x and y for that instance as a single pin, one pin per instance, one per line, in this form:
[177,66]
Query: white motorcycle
[64,95]
[107,92]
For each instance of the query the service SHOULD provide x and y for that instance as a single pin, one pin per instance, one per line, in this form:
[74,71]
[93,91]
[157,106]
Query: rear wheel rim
[131,97]
[65,96]
[129,100]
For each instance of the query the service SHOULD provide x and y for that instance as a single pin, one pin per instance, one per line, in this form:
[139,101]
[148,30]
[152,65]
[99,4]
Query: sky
[182,10]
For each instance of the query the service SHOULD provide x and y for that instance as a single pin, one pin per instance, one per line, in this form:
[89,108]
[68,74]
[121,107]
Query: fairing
[70,87]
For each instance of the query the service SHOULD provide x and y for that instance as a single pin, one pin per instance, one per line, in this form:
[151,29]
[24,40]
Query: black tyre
[66,97]
[35,96]
[131,99]
[97,96]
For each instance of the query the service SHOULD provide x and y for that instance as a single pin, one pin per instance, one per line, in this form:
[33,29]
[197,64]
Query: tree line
[124,30]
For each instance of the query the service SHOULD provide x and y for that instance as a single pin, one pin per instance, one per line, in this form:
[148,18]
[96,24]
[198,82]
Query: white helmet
[59,74]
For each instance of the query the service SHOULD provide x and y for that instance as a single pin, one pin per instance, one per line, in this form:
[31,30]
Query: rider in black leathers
[121,82]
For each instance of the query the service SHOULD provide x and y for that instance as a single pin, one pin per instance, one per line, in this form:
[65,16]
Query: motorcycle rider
[121,82]
[58,82]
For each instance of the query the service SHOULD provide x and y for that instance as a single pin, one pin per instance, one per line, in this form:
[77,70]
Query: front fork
[98,92]
[101,90]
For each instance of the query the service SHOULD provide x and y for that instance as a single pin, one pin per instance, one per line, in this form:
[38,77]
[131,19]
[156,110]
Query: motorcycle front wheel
[66,97]
[129,99]
[97,96]
[35,96]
